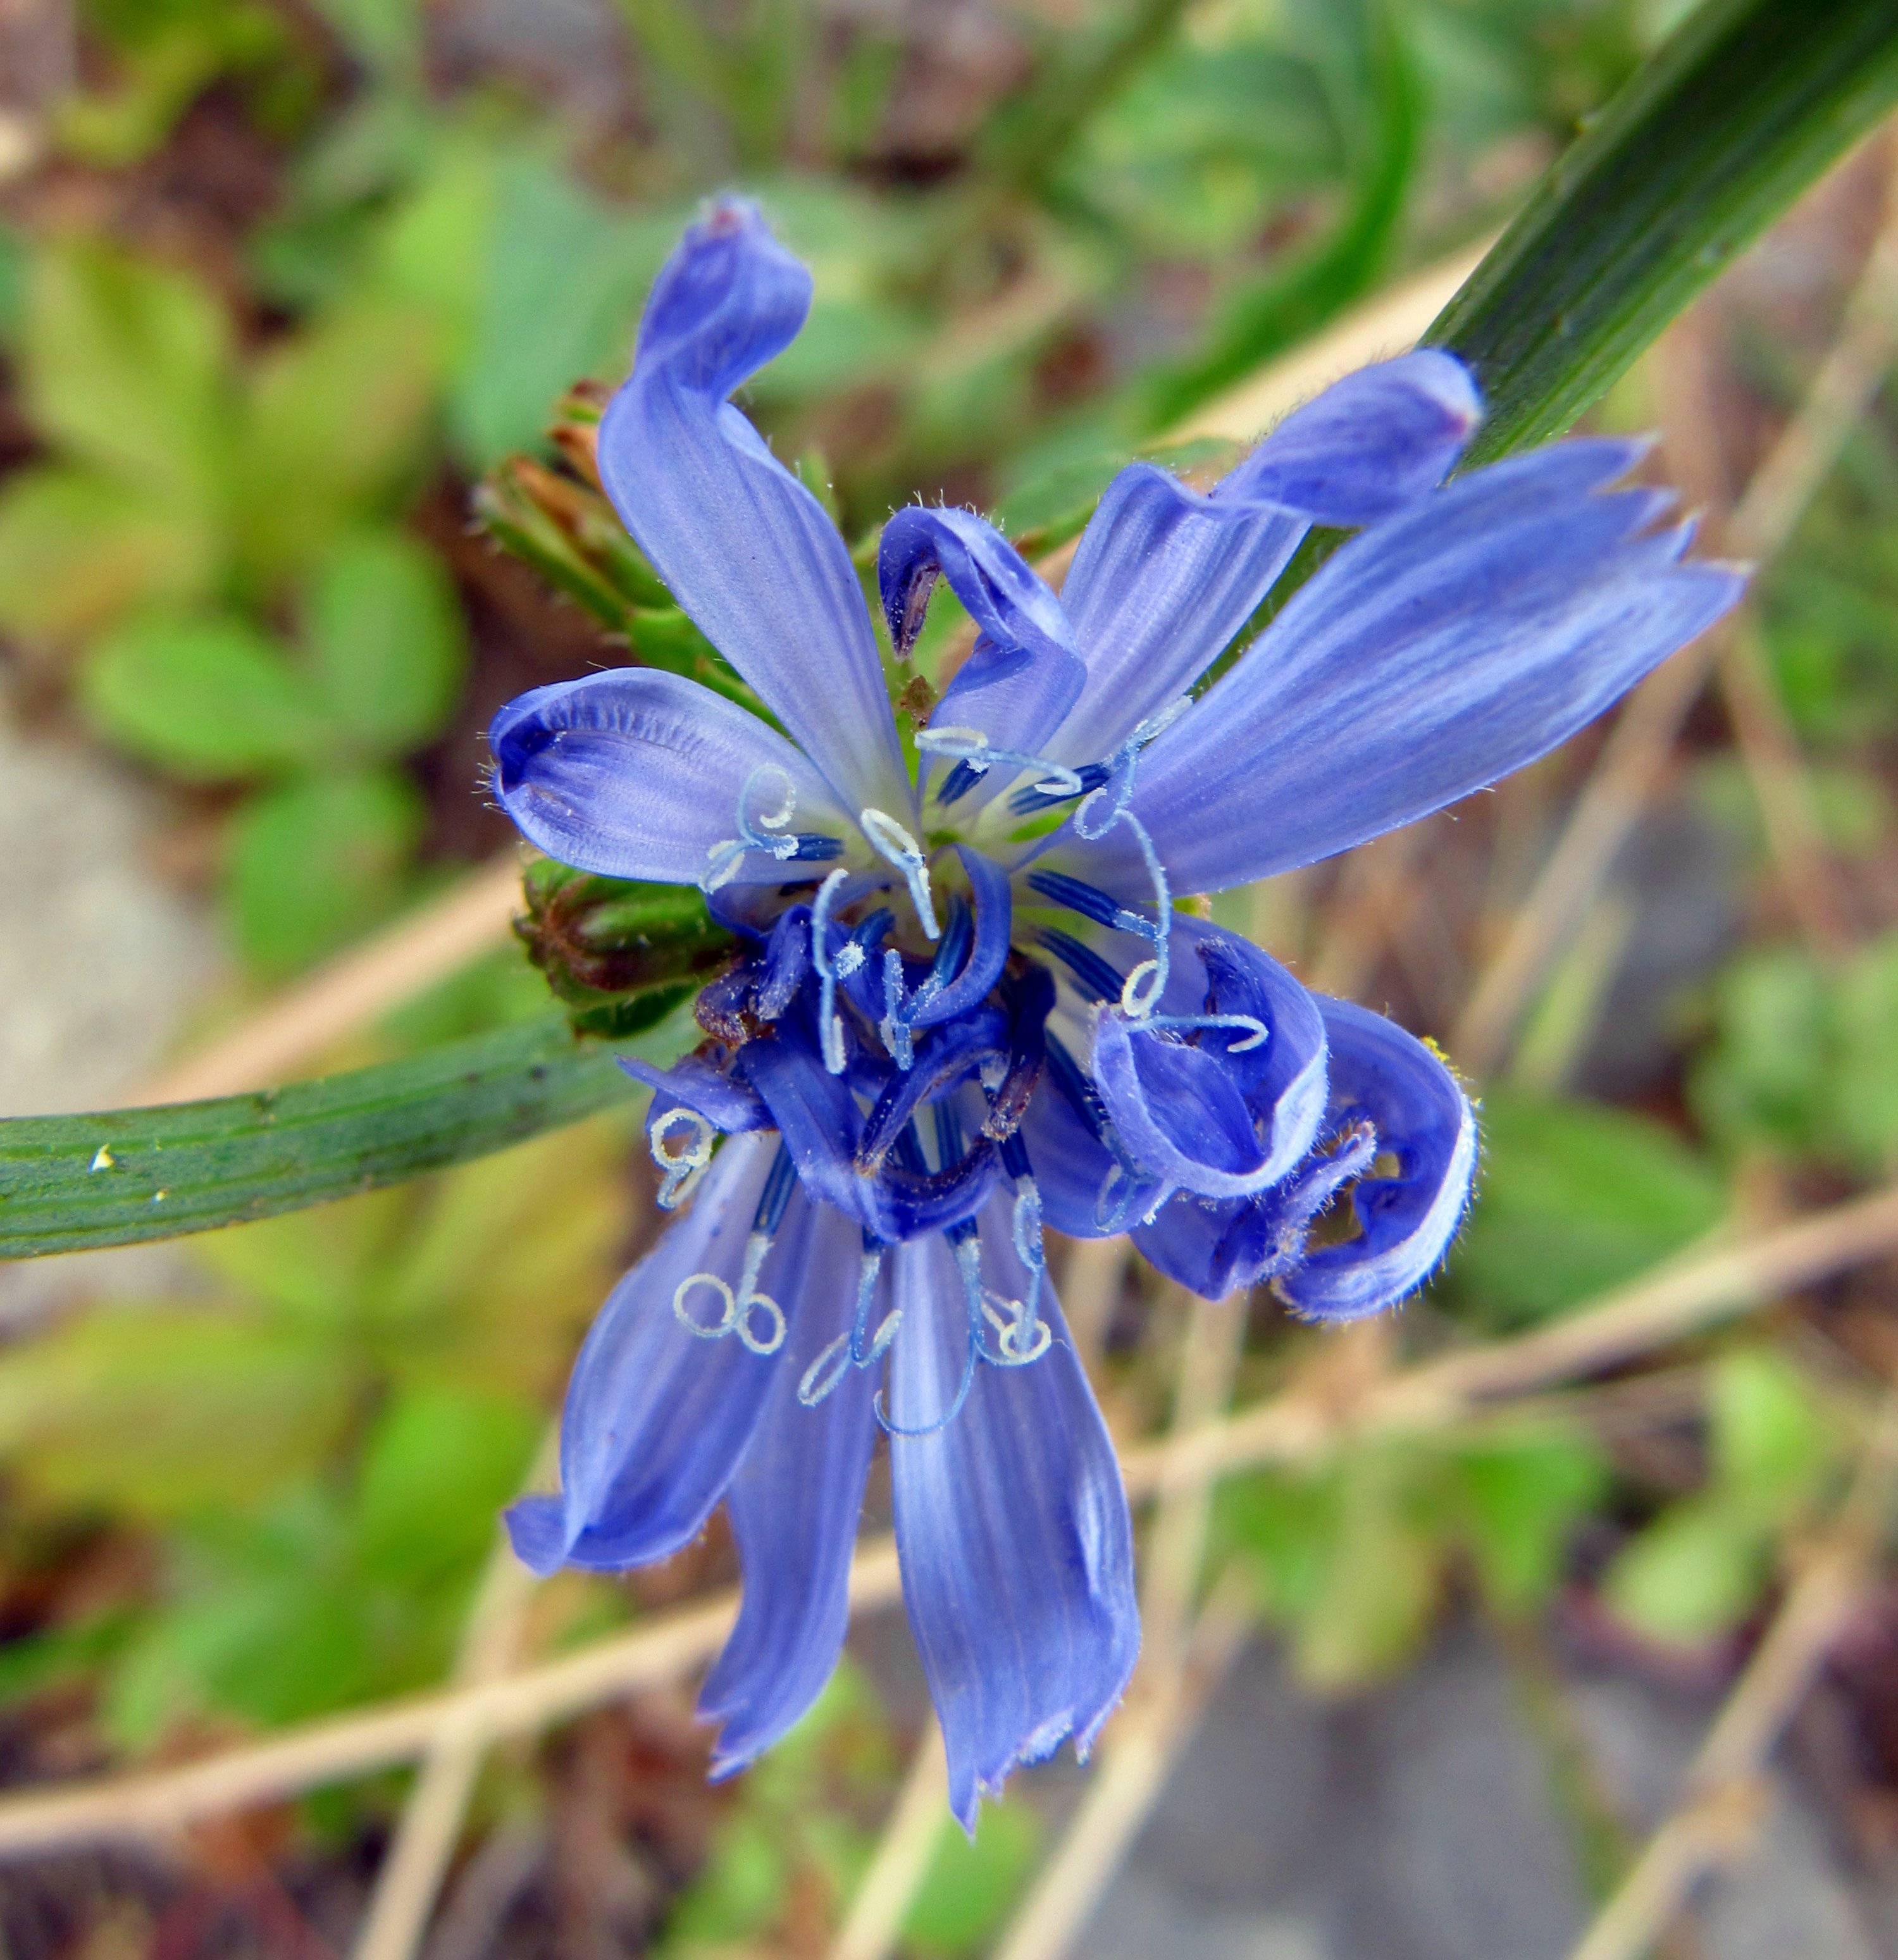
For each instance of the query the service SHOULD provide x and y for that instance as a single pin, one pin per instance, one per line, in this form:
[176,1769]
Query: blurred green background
[283,285]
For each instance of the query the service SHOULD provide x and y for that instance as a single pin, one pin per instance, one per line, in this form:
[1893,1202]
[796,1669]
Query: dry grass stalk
[1144,1745]
[430,1827]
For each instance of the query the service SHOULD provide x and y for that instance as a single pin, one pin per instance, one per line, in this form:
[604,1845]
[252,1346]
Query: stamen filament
[678,1170]
[890,841]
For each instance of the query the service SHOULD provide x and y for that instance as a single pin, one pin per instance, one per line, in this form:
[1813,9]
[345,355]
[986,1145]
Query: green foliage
[313,861]
[1804,1060]
[166,52]
[387,647]
[1377,117]
[1351,1556]
[1573,1198]
[209,698]
[1701,1566]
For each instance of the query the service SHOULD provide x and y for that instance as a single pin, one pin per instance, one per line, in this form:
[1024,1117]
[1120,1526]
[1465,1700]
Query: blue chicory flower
[970,1005]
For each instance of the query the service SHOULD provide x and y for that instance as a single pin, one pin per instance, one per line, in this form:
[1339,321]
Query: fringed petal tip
[1406,1221]
[1012,1528]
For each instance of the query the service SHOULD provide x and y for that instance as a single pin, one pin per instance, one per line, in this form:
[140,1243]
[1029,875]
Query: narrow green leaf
[1745,105]
[69,1182]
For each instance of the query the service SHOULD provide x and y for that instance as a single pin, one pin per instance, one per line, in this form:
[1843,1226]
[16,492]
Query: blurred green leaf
[209,699]
[1695,1572]
[387,646]
[127,365]
[1381,136]
[742,1888]
[1574,1198]
[78,550]
[1773,1442]
[435,1475]
[314,863]
[167,52]
[1517,1495]
[1802,1059]
[566,276]
[972,1886]
[1701,1566]
[159,1412]
[15,259]
[335,431]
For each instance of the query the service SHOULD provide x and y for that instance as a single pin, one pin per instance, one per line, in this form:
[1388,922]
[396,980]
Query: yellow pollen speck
[102,1159]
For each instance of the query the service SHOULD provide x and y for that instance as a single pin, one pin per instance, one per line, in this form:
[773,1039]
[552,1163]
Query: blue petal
[746,549]
[1371,443]
[1217,1246]
[822,1127]
[1072,1168]
[1433,653]
[988,954]
[637,774]
[1011,1529]
[1189,1113]
[1165,578]
[725,1103]
[1380,1073]
[1024,674]
[794,1507]
[656,1419]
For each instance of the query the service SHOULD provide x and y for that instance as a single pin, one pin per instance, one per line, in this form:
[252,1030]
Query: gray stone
[1413,1823]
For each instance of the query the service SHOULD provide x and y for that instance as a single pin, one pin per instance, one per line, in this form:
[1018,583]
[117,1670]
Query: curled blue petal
[1377,439]
[1216,1246]
[823,1128]
[1381,1074]
[794,1507]
[748,551]
[639,774]
[1165,577]
[1206,1116]
[1011,1529]
[1024,673]
[656,1419]
[1436,652]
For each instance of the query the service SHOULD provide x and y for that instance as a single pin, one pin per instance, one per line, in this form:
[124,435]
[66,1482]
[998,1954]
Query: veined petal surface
[748,552]
[656,1419]
[794,1507]
[636,773]
[1011,1529]
[1165,577]
[1436,652]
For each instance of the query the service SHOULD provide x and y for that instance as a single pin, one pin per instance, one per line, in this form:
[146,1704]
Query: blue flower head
[970,1007]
